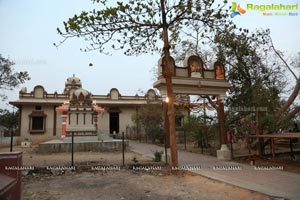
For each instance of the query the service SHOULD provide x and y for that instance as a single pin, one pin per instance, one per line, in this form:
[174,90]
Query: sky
[28,31]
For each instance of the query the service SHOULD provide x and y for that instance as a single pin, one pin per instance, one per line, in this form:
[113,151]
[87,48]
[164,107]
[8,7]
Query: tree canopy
[9,79]
[255,81]
[258,73]
[8,119]
[150,116]
[136,26]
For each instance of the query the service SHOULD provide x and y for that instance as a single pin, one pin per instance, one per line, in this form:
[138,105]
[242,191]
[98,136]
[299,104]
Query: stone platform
[81,144]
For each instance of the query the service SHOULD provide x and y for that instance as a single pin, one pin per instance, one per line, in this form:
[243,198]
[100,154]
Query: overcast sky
[28,31]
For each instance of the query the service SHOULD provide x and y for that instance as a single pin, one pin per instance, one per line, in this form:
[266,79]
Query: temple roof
[74,92]
[73,80]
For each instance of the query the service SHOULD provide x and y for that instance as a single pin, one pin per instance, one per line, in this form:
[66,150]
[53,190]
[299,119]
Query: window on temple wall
[37,122]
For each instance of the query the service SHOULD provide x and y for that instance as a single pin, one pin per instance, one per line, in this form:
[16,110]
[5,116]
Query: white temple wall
[37,137]
[58,124]
[126,118]
[40,105]
[103,122]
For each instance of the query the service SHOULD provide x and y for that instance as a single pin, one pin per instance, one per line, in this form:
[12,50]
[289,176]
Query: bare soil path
[131,185]
[120,184]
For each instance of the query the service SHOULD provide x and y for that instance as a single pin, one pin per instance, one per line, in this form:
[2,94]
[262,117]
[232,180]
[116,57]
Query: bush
[135,160]
[157,156]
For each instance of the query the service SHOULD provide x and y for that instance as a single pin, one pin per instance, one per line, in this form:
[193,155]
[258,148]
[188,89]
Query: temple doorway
[113,122]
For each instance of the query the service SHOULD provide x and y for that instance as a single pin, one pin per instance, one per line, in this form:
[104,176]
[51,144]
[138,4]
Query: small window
[37,123]
[38,107]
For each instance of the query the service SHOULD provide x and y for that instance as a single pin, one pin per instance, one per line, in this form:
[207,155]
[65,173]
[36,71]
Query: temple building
[44,116]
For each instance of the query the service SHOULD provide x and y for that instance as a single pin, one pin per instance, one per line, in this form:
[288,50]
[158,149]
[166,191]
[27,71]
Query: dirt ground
[32,158]
[118,184]
[132,185]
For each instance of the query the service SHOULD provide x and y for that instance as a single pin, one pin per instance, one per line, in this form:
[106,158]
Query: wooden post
[260,140]
[270,146]
[291,148]
[248,144]
[273,149]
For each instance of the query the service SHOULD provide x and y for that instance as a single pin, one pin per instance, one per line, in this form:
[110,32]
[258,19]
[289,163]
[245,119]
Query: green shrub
[135,160]
[157,156]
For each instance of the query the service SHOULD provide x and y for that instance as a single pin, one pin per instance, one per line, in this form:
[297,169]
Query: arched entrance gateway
[194,79]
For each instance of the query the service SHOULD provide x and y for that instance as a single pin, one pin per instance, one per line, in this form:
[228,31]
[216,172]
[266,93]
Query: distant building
[3,129]
[3,140]
[40,121]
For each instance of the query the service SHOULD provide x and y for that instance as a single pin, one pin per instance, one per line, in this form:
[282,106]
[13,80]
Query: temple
[47,116]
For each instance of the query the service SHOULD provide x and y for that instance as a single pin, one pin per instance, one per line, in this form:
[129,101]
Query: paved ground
[277,183]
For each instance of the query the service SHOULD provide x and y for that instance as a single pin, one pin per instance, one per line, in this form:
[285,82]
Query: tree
[137,27]
[256,70]
[9,119]
[150,117]
[296,89]
[201,129]
[255,82]
[9,79]
[258,73]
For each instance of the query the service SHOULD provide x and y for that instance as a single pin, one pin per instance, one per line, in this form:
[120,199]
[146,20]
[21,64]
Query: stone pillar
[224,153]
[64,116]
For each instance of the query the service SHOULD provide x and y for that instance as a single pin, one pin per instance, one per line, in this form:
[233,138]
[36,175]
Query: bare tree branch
[281,58]
[291,99]
[294,112]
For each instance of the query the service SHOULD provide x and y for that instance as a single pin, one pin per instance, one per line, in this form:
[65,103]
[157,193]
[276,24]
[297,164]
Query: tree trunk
[290,100]
[294,112]
[166,124]
[294,93]
[168,77]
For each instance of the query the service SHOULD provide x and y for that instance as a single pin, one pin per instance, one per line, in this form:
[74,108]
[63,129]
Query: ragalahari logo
[236,10]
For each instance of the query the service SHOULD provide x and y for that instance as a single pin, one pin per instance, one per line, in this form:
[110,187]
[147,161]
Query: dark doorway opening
[113,122]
